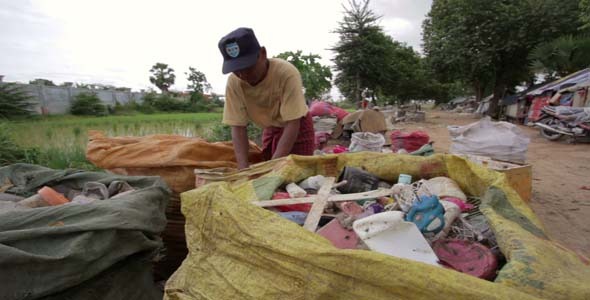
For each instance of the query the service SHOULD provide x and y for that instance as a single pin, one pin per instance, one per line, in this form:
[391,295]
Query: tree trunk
[499,89]
[478,91]
[358,88]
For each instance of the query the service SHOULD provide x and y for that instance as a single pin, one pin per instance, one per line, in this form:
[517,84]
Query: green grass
[62,140]
[59,131]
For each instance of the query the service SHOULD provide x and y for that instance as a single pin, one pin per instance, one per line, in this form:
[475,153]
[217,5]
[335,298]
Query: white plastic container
[388,233]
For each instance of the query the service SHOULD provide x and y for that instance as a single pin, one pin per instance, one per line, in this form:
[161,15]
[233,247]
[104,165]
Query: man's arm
[288,138]
[239,136]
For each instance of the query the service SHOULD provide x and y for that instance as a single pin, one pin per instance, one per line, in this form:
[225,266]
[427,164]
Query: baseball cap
[240,50]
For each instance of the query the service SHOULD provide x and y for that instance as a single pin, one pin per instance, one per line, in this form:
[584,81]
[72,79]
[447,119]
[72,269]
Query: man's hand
[288,139]
[239,136]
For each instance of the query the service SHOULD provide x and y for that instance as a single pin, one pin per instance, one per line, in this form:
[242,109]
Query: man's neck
[266,67]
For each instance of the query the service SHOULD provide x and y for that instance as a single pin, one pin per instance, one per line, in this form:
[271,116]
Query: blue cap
[240,50]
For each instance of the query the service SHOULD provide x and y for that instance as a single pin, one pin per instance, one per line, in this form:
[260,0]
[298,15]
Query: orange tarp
[172,157]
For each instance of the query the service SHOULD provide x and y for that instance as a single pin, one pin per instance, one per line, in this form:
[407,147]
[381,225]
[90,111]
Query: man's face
[254,74]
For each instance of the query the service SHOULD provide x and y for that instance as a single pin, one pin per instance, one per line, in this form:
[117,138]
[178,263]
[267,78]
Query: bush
[168,104]
[153,102]
[86,104]
[65,158]
[202,107]
[14,102]
[11,153]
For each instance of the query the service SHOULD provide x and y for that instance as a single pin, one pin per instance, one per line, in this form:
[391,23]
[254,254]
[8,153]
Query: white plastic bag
[498,140]
[366,141]
[445,187]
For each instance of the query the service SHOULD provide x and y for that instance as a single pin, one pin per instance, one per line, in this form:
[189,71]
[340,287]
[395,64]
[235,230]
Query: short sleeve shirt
[278,98]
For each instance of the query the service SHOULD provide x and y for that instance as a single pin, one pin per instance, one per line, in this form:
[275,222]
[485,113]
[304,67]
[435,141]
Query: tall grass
[61,140]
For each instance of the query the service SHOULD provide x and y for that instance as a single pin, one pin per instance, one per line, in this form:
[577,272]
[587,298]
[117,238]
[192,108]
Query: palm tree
[14,101]
[561,57]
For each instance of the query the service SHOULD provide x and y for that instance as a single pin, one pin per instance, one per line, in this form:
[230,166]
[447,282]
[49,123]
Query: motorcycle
[558,121]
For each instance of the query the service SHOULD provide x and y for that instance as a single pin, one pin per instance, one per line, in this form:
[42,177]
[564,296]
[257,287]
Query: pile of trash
[327,121]
[431,221]
[239,249]
[402,115]
[337,131]
[174,161]
[414,143]
[47,196]
[68,234]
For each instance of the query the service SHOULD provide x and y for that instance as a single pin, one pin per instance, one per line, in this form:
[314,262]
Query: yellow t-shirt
[278,98]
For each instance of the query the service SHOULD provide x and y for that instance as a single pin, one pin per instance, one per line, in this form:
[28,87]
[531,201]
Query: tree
[372,64]
[162,76]
[42,81]
[81,85]
[358,50]
[486,43]
[584,15]
[14,101]
[316,77]
[404,76]
[561,56]
[197,81]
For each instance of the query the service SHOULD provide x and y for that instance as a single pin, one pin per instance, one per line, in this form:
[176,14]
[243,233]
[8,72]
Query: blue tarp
[572,79]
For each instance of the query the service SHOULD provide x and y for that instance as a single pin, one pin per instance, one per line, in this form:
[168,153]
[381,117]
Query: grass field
[62,140]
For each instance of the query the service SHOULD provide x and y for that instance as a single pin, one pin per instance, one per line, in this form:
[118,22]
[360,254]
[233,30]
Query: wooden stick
[315,213]
[332,198]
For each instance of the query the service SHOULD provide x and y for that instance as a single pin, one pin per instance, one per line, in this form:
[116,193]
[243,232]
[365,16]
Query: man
[267,92]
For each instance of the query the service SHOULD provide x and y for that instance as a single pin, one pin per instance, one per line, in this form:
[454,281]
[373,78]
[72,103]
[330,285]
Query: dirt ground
[560,170]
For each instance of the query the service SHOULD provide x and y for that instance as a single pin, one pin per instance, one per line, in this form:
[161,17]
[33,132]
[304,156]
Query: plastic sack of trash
[99,250]
[366,141]
[241,251]
[172,157]
[408,141]
[499,140]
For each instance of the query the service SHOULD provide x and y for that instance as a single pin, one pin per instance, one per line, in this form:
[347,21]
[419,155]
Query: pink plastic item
[339,149]
[319,109]
[351,208]
[467,257]
[321,137]
[339,236]
[462,204]
[304,207]
[322,108]
[339,112]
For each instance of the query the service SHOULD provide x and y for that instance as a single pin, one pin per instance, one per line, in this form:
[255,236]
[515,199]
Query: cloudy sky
[117,41]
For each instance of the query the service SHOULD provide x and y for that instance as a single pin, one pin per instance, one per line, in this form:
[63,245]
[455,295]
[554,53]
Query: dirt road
[560,171]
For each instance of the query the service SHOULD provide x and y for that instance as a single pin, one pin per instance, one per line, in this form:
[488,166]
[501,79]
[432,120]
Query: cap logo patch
[232,49]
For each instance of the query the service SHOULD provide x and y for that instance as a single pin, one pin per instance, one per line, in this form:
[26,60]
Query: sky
[116,42]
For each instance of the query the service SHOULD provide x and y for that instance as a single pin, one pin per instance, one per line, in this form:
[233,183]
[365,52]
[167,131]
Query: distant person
[268,92]
[364,104]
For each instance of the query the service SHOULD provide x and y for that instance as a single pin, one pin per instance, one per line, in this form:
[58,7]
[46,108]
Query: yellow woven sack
[240,251]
